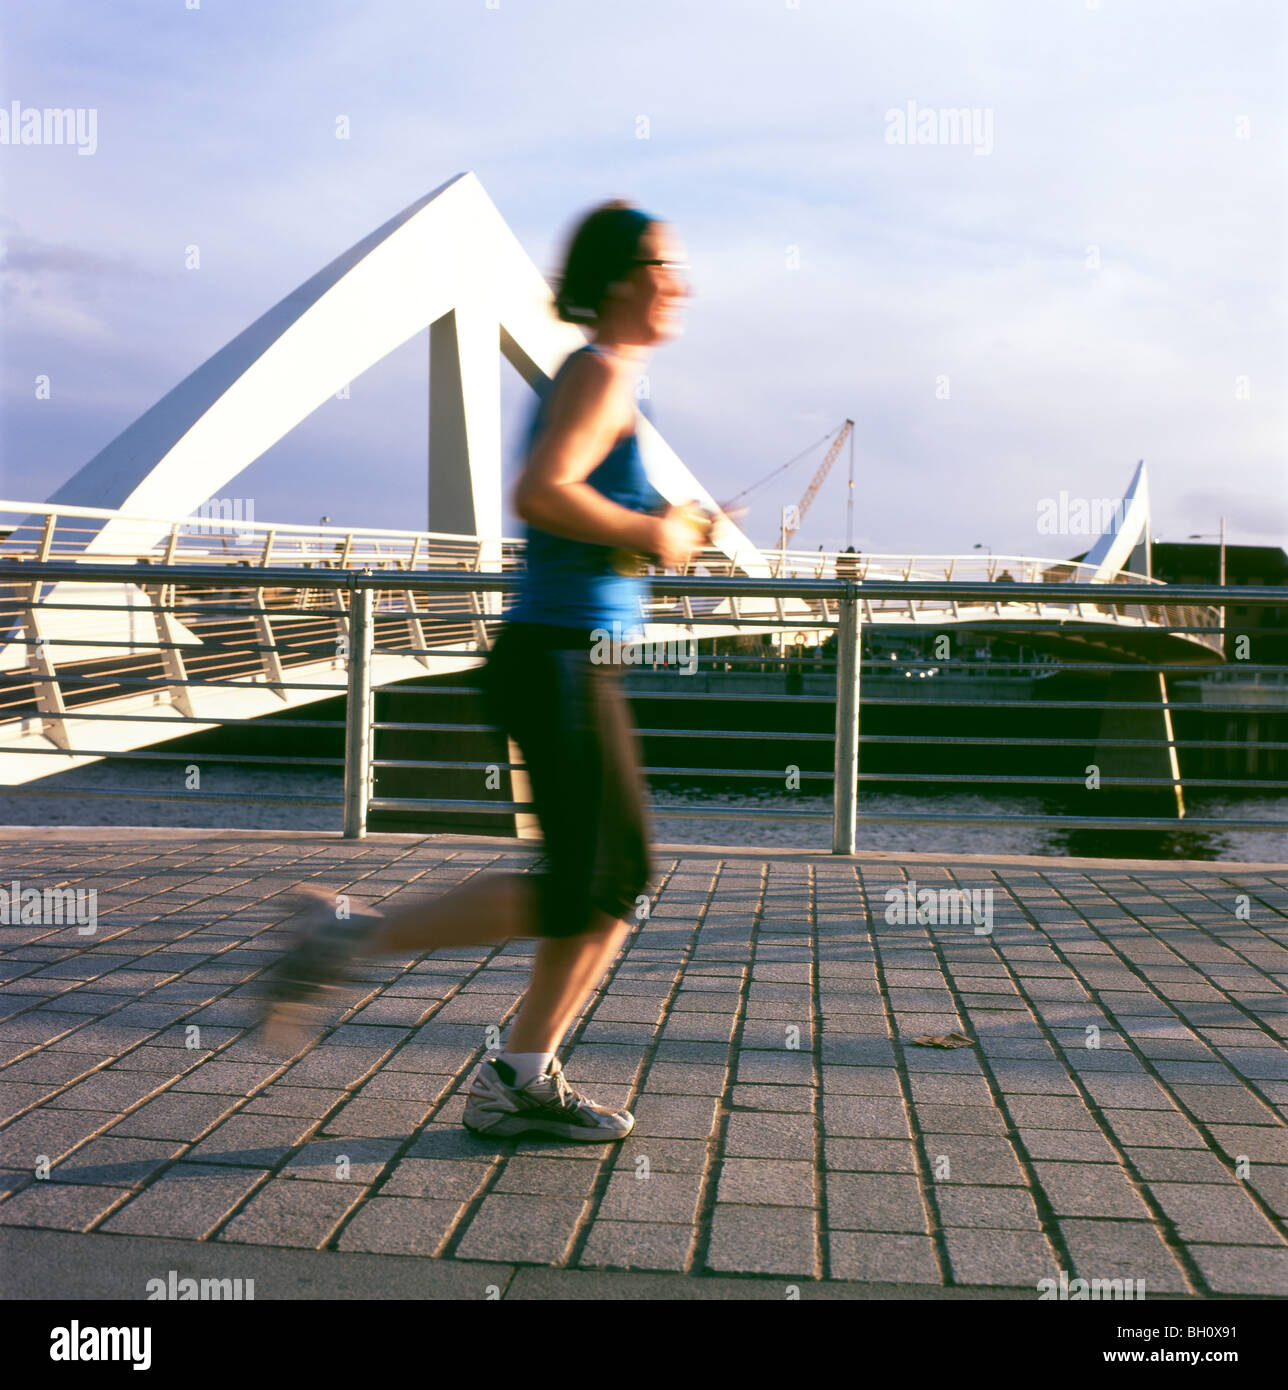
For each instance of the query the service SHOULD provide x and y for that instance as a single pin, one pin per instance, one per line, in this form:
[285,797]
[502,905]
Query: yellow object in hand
[632,562]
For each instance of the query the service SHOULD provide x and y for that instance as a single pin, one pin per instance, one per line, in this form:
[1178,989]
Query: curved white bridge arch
[448,262]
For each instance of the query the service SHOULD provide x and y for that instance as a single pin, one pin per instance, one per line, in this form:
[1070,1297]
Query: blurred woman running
[552,683]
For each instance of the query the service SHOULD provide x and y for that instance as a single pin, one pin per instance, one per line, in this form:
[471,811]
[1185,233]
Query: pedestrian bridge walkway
[92,666]
[1118,1109]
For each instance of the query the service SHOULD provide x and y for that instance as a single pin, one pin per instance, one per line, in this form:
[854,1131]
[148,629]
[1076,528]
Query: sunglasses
[670,265]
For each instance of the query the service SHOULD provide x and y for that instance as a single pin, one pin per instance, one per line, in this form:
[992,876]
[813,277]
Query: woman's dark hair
[602,249]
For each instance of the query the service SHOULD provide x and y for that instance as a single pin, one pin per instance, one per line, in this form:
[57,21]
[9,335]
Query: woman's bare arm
[582,422]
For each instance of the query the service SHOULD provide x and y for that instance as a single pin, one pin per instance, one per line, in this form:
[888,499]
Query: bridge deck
[858,1160]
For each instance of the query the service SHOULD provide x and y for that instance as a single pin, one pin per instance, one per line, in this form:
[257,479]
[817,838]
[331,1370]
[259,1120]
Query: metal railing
[278,633]
[47,531]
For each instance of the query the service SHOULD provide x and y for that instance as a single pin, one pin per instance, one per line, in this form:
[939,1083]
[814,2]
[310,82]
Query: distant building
[1199,562]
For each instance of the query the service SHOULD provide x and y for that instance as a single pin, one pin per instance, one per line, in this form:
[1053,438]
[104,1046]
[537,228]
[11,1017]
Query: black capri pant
[570,719]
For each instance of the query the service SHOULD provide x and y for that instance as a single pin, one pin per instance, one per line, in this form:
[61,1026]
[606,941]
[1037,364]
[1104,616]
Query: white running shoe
[546,1105]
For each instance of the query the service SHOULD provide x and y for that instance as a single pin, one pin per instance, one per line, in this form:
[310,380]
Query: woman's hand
[677,534]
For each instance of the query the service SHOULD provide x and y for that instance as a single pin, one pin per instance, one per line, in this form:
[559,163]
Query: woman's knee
[625,895]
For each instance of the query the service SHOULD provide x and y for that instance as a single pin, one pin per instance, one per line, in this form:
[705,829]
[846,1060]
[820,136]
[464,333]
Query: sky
[1091,273]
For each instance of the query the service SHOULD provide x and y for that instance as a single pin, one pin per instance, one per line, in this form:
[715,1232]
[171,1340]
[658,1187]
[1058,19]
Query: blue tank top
[569,583]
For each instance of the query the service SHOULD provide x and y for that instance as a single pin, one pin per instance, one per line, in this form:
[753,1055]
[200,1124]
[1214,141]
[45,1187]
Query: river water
[249,785]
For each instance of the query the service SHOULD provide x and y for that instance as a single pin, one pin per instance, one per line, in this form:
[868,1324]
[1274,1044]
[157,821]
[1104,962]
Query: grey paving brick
[870,1155]
[51,1133]
[798,1100]
[549,1177]
[434,1177]
[874,1202]
[762,1240]
[839,1050]
[766,1182]
[1272,1184]
[660,1197]
[637,1245]
[48,1066]
[1178,1165]
[17,1096]
[1015,1047]
[1127,1092]
[11,1182]
[400,1225]
[341,1159]
[1239,1268]
[965,1091]
[510,1227]
[882,1259]
[173,1116]
[1090,1189]
[228,1078]
[1049,1112]
[971,1158]
[770,1136]
[401,1085]
[1070,1145]
[681,1027]
[1219,1214]
[864,1117]
[960,1119]
[386,1010]
[378,1118]
[169,1062]
[780,1067]
[662,1155]
[1259,1063]
[60,1205]
[281,1099]
[1123,1250]
[1011,1259]
[997,1208]
[117,1162]
[619,1065]
[452,1141]
[188,1200]
[289,1213]
[251,1141]
[1224,1104]
[861,1081]
[1260,1143]
[1031,1076]
[686,1079]
[1153,1129]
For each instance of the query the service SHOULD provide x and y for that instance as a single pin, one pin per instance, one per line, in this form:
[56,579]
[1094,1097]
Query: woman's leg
[484,912]
[565,971]
[607,857]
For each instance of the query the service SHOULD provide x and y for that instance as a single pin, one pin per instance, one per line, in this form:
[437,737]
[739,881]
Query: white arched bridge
[91,669]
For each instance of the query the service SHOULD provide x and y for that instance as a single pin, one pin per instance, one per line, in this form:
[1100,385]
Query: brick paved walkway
[760,1024]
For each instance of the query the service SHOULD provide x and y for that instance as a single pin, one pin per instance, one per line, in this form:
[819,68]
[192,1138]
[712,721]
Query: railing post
[846,748]
[358,715]
[48,693]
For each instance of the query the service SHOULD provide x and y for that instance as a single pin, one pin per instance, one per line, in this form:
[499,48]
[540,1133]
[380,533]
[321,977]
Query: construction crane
[797,513]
